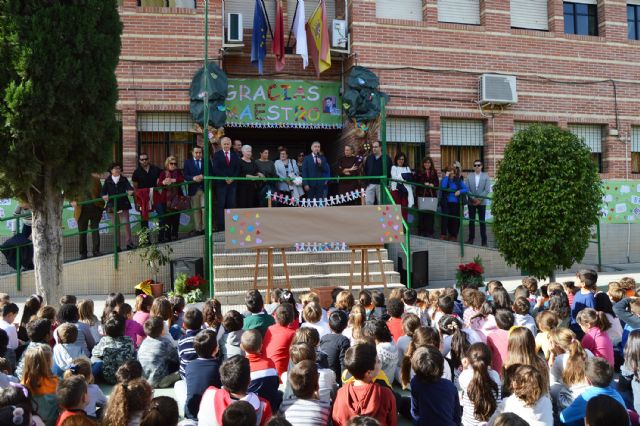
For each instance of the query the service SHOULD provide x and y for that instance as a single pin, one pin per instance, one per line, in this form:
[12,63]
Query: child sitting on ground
[385,347]
[258,318]
[192,323]
[128,403]
[305,407]
[278,338]
[365,299]
[380,309]
[521,308]
[395,309]
[264,376]
[546,321]
[235,375]
[594,324]
[67,348]
[82,367]
[314,318]
[163,411]
[334,344]
[112,350]
[233,322]
[72,397]
[158,357]
[41,382]
[202,372]
[39,332]
[326,379]
[362,396]
[131,328]
[143,306]
[177,310]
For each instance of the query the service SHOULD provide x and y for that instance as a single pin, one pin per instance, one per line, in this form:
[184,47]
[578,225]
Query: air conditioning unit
[498,89]
[339,34]
[234,27]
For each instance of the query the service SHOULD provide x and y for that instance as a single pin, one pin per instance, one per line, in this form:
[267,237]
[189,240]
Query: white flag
[301,34]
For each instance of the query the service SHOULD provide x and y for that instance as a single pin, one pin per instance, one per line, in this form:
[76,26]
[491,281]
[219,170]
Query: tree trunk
[552,277]
[47,241]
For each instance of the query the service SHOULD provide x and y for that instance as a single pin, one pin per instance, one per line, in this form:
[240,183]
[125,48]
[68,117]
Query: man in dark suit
[315,165]
[193,171]
[225,164]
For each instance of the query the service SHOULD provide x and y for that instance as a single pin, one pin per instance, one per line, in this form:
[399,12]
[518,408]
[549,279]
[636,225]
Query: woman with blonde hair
[568,361]
[357,318]
[170,176]
[522,350]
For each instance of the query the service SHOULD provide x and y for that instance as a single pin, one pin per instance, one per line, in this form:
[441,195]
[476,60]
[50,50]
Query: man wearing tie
[225,164]
[315,165]
[194,172]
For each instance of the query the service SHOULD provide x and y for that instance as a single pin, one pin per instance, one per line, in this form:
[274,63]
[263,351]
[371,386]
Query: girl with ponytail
[456,342]
[595,325]
[567,360]
[422,337]
[128,403]
[480,386]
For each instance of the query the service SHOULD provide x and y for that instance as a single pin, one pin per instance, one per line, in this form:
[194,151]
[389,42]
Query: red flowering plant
[470,274]
[191,288]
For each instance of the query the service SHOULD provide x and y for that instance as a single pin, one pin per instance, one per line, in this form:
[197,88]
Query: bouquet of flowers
[189,287]
[470,274]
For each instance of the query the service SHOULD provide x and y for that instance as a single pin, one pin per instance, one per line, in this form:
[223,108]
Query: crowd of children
[561,354]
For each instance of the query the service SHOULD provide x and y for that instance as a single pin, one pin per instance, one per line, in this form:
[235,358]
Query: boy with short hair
[395,308]
[9,313]
[264,376]
[599,375]
[39,333]
[112,350]
[235,375]
[68,299]
[334,344]
[158,357]
[72,396]
[305,407]
[67,348]
[192,323]
[434,400]
[232,322]
[363,396]
[202,372]
[257,318]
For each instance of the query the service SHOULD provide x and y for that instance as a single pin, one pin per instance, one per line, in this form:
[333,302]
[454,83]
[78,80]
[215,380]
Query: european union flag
[259,37]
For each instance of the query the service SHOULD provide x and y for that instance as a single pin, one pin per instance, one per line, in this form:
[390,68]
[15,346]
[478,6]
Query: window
[408,9]
[591,134]
[407,135]
[529,14]
[635,149]
[163,134]
[459,11]
[189,4]
[633,21]
[461,140]
[247,8]
[309,8]
[581,18]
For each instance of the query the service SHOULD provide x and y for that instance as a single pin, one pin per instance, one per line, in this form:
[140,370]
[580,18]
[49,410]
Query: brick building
[576,65]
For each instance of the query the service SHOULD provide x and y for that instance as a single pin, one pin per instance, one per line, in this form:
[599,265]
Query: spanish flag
[318,38]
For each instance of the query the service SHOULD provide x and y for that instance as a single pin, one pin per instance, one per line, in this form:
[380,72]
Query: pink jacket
[599,342]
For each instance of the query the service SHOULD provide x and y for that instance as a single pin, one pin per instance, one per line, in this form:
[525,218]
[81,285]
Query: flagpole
[293,22]
[266,15]
[208,224]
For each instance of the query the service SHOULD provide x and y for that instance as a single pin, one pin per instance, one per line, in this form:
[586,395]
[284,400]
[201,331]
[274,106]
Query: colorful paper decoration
[321,246]
[315,202]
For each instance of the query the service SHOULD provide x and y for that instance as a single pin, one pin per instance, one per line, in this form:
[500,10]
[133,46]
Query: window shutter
[407,130]
[459,11]
[583,1]
[247,7]
[393,9]
[591,134]
[530,14]
[635,139]
[164,122]
[461,132]
[309,7]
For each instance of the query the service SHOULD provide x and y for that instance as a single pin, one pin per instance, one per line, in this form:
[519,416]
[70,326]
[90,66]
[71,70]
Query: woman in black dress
[246,192]
[116,184]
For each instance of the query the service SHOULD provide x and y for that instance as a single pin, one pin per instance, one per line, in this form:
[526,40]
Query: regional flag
[318,38]
[278,37]
[300,33]
[259,37]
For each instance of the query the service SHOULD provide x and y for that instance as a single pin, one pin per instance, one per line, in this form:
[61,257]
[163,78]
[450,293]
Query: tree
[547,197]
[58,93]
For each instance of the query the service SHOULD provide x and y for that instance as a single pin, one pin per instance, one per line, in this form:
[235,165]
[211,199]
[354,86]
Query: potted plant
[191,288]
[470,274]
[153,255]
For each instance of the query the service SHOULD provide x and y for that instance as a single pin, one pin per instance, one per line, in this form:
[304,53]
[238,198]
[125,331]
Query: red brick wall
[162,48]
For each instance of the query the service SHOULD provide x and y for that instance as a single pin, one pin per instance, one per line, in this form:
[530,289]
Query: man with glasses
[194,172]
[479,186]
[145,176]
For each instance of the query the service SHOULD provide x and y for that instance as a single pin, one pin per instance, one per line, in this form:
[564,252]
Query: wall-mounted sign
[284,104]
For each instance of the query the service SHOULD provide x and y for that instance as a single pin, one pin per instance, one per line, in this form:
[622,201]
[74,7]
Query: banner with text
[284,104]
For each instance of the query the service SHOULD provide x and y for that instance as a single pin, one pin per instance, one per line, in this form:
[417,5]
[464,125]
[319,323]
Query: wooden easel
[365,277]
[270,268]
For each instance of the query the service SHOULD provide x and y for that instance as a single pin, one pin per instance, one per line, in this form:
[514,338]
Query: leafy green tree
[547,197]
[58,92]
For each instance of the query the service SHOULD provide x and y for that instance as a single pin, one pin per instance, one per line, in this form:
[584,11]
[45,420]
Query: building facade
[575,63]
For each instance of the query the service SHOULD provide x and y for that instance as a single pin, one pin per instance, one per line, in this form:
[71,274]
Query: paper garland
[334,200]
[320,247]
[285,126]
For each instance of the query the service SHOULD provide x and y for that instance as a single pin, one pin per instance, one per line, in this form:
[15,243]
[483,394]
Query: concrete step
[300,281]
[311,268]
[238,257]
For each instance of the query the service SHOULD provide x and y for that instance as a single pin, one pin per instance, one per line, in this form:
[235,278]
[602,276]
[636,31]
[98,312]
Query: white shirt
[115,179]
[322,326]
[541,414]
[477,178]
[12,332]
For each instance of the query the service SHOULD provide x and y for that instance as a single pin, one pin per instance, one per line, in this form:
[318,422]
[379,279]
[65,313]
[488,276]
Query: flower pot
[157,289]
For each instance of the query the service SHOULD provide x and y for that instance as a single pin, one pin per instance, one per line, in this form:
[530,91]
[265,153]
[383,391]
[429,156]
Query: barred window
[591,135]
[163,134]
[461,140]
[409,136]
[635,149]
